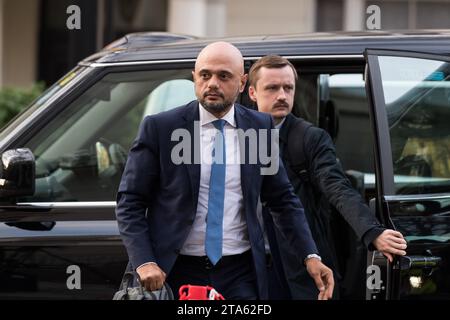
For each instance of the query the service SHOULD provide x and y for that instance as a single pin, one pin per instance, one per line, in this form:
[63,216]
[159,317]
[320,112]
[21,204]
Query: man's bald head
[219,77]
[222,50]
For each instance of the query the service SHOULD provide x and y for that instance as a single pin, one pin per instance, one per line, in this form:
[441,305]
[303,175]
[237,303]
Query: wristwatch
[312,255]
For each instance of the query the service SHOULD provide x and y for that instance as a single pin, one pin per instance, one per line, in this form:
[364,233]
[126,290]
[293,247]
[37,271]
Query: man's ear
[243,82]
[252,93]
[193,75]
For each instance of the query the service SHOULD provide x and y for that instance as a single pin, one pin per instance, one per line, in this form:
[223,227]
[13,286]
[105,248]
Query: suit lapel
[244,123]
[192,117]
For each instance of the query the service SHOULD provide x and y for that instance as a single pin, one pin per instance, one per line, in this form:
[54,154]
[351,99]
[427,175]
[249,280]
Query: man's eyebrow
[218,71]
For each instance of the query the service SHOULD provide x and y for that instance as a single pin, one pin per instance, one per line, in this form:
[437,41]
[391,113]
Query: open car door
[409,96]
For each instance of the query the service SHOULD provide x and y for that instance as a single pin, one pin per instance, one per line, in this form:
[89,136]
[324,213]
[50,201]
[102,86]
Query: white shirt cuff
[144,264]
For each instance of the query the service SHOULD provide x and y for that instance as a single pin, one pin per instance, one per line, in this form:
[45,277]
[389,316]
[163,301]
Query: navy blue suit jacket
[157,199]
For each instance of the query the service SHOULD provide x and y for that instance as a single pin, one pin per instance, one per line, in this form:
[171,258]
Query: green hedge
[14,100]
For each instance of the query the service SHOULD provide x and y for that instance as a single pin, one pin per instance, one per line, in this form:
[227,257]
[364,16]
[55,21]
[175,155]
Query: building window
[433,15]
[394,14]
[329,15]
[413,14]
[127,16]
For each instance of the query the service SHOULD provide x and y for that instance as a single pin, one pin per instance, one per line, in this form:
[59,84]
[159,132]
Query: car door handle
[418,262]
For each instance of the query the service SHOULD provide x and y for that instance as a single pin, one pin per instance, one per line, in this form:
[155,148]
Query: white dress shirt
[235,235]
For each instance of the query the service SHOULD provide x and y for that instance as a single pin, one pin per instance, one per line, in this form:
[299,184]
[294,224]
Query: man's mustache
[281,105]
[215,93]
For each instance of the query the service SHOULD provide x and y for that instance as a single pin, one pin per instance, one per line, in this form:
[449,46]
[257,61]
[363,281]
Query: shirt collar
[278,126]
[207,117]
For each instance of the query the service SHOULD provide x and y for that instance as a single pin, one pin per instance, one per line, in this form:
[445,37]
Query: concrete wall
[270,17]
[18,42]
[202,18]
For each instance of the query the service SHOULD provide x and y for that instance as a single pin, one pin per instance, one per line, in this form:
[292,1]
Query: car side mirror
[17,173]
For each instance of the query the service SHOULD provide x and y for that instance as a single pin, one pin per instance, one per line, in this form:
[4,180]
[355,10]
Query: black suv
[383,97]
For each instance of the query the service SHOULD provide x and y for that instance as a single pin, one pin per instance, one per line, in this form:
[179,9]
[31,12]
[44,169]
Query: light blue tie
[214,219]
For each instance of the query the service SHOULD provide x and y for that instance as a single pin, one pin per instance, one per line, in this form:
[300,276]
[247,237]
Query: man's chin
[279,114]
[214,107]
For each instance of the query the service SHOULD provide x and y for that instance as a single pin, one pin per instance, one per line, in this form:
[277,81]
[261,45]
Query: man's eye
[224,76]
[204,75]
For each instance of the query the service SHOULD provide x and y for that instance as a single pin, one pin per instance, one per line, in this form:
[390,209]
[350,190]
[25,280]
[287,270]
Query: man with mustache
[321,184]
[196,223]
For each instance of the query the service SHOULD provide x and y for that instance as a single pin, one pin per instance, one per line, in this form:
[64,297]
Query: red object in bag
[190,292]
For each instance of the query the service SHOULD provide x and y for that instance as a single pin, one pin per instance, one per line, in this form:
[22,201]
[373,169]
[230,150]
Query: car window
[417,98]
[337,102]
[81,153]
[343,111]
[348,95]
[71,77]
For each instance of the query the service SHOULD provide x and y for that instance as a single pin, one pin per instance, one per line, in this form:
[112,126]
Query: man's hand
[152,277]
[390,242]
[323,277]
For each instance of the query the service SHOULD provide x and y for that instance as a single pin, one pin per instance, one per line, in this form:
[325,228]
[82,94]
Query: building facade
[36,44]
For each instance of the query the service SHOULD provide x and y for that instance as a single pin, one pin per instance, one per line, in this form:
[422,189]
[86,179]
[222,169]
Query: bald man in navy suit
[195,222]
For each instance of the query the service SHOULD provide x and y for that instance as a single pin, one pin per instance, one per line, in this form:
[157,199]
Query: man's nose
[281,95]
[213,82]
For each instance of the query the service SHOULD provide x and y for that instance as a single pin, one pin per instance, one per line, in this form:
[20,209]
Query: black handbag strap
[168,290]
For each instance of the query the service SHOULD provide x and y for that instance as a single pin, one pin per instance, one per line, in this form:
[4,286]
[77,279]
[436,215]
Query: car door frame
[385,187]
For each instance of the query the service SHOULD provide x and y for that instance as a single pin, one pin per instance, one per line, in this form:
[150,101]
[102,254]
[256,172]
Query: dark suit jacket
[327,186]
[157,199]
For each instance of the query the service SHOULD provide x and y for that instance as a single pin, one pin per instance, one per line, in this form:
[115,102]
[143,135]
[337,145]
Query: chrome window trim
[65,205]
[417,197]
[112,204]
[150,62]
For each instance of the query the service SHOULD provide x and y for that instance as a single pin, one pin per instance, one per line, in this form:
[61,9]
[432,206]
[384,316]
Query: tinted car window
[344,113]
[348,94]
[81,153]
[72,77]
[417,98]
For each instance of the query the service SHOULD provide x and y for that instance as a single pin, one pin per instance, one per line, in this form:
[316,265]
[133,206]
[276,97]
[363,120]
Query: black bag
[129,292]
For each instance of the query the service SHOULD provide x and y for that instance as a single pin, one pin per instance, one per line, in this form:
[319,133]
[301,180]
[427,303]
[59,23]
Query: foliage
[14,100]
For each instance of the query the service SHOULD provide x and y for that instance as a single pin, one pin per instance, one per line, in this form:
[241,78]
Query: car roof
[167,46]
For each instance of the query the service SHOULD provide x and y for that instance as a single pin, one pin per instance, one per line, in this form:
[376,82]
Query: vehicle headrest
[168,95]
